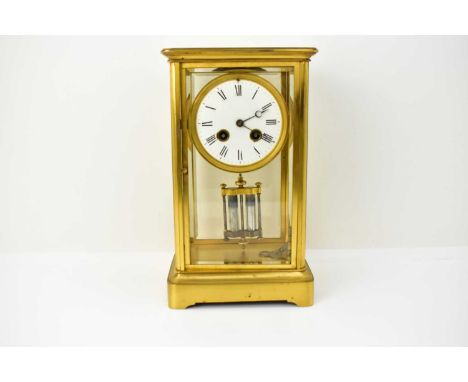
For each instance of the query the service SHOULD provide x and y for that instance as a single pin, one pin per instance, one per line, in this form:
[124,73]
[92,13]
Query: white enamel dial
[239,122]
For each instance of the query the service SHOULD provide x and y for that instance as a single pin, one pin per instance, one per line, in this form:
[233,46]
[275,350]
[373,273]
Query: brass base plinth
[190,288]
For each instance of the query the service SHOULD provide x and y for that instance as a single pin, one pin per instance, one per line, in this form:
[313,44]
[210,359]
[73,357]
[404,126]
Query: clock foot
[190,288]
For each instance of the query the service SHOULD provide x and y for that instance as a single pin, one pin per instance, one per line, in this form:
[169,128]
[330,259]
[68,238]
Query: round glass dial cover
[239,122]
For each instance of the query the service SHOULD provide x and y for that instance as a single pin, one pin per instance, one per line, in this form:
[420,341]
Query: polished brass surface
[177,167]
[187,289]
[285,91]
[238,54]
[201,148]
[205,270]
[241,191]
[241,188]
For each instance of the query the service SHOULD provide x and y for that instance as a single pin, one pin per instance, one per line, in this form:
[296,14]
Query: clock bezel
[193,122]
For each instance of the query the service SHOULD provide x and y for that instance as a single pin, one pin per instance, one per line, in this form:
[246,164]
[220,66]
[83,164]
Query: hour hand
[240,123]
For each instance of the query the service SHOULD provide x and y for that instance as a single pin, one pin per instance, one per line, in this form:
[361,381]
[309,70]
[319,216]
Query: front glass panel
[239,217]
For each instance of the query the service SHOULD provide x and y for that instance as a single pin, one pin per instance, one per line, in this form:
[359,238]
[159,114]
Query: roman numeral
[223,151]
[271,121]
[222,95]
[255,94]
[208,123]
[211,139]
[239,155]
[209,107]
[267,138]
[258,152]
[238,89]
[266,106]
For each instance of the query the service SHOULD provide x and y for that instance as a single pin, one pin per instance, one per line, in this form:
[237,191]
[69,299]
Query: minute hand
[257,114]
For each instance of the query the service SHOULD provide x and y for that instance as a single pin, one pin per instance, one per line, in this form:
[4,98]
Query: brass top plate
[207,54]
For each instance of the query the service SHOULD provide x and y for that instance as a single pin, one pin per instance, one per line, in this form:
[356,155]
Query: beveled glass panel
[250,225]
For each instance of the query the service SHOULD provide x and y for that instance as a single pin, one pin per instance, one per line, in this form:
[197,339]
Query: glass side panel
[240,218]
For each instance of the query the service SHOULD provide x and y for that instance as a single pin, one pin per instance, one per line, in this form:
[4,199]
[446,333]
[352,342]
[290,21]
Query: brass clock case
[193,121]
[244,240]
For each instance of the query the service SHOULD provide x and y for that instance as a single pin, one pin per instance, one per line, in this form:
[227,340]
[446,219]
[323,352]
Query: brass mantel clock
[239,141]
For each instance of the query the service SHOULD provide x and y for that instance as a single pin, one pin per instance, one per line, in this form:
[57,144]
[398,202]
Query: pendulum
[242,212]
